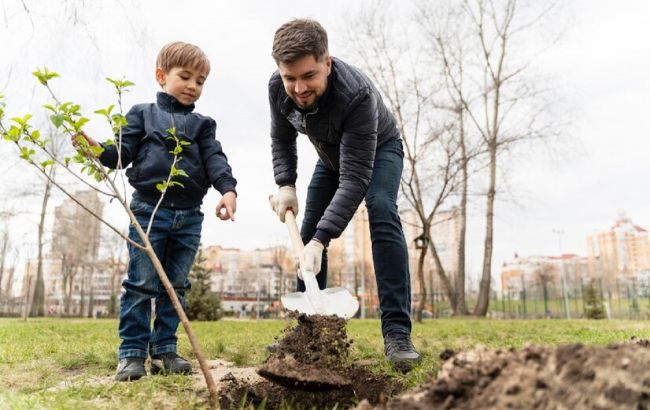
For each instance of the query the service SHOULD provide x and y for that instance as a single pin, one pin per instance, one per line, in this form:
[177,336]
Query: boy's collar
[171,104]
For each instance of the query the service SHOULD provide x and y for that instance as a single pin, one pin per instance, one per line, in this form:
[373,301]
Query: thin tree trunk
[461,306]
[38,303]
[91,294]
[484,288]
[444,279]
[423,287]
[3,256]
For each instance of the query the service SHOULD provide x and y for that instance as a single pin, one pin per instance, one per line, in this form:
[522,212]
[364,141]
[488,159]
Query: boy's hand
[77,144]
[227,207]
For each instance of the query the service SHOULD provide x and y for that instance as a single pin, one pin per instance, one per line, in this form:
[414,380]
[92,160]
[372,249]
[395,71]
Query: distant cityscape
[249,282]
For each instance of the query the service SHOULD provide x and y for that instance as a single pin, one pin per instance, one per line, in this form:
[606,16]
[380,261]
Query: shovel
[313,301]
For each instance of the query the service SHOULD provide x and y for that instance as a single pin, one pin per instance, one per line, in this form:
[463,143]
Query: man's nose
[300,87]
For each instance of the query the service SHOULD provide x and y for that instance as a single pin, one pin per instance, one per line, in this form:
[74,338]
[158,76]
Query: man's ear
[328,64]
[160,76]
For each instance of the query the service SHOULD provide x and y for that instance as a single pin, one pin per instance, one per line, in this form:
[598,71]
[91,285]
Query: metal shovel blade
[331,301]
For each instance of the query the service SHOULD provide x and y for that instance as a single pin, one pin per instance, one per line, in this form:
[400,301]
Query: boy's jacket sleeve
[132,133]
[216,163]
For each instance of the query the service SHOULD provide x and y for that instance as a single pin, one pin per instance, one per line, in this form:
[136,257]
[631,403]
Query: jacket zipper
[318,146]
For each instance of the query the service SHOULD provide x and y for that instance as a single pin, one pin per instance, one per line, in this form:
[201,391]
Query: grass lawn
[68,363]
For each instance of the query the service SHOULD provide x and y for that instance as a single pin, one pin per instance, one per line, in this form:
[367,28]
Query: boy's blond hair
[183,55]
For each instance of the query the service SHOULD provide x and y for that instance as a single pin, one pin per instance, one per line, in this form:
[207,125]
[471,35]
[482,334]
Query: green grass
[69,364]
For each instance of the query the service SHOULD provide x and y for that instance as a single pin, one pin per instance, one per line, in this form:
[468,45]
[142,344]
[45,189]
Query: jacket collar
[171,104]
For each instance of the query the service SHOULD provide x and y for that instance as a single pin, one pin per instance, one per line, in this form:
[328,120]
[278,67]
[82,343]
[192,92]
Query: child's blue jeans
[175,237]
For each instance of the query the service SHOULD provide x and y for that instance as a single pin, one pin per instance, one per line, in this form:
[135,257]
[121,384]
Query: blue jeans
[175,237]
[389,251]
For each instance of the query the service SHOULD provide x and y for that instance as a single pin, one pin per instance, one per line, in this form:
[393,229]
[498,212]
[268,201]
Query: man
[360,156]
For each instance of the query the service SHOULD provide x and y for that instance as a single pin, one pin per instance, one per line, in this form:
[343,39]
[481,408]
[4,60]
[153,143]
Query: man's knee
[381,207]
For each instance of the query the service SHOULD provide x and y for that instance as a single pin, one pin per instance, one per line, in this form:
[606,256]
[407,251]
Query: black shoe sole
[129,377]
[155,370]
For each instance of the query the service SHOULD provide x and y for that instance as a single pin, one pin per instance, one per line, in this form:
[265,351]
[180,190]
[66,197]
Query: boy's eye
[185,77]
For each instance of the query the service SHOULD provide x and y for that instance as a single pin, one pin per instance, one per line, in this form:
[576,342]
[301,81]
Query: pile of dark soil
[311,369]
[570,377]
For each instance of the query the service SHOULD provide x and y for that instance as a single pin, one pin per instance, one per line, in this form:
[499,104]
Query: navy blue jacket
[146,146]
[348,124]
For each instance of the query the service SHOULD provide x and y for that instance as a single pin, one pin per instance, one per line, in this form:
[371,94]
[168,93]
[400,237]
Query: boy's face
[184,84]
[305,79]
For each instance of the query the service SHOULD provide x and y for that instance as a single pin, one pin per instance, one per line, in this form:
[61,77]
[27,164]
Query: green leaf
[161,186]
[49,107]
[177,150]
[22,121]
[177,183]
[66,161]
[181,172]
[96,150]
[36,135]
[47,163]
[80,122]
[184,143]
[57,120]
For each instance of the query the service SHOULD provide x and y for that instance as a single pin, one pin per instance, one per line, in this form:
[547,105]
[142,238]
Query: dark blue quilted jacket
[146,146]
[346,127]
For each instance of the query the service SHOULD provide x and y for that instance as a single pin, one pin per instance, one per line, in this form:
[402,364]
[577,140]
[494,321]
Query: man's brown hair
[299,38]
[183,55]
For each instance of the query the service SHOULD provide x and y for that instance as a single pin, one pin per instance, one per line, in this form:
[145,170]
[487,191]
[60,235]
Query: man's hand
[227,207]
[312,256]
[80,146]
[285,199]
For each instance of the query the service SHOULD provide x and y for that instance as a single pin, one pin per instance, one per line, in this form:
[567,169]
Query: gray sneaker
[400,352]
[130,369]
[170,363]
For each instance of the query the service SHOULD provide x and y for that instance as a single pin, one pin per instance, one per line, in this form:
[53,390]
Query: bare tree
[431,165]
[56,147]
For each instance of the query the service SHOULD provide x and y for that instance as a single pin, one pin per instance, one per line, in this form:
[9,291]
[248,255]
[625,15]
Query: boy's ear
[160,76]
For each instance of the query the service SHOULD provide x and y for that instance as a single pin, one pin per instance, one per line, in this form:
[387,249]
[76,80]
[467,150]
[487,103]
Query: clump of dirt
[311,368]
[570,376]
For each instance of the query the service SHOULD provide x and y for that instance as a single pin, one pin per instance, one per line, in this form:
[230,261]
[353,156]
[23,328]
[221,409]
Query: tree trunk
[461,305]
[38,303]
[423,286]
[444,279]
[91,294]
[484,289]
[3,256]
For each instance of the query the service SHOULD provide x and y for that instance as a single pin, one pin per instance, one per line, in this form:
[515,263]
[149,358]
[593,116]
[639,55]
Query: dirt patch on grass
[311,368]
[570,376]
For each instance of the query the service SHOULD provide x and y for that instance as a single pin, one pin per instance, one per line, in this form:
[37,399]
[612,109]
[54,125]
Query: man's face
[185,84]
[305,79]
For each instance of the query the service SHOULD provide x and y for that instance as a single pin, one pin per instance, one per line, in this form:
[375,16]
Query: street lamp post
[559,234]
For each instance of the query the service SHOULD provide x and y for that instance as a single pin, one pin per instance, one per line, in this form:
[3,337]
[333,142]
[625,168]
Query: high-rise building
[621,252]
[533,273]
[76,282]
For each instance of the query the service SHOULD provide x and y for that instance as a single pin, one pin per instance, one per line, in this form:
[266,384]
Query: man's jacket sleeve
[357,158]
[283,145]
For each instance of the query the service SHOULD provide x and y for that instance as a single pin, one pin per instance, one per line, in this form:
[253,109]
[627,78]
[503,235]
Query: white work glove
[285,199]
[312,256]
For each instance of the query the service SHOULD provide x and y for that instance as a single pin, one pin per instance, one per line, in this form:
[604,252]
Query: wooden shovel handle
[296,240]
[294,233]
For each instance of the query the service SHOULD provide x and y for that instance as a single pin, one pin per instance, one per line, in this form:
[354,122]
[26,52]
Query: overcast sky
[601,67]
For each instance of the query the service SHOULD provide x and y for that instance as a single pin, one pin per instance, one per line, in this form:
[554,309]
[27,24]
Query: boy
[181,71]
